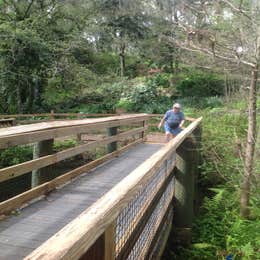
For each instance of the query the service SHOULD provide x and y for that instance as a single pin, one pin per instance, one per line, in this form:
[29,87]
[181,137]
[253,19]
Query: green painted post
[112,146]
[44,174]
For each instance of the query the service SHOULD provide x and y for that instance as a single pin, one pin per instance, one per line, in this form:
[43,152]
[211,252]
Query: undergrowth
[218,231]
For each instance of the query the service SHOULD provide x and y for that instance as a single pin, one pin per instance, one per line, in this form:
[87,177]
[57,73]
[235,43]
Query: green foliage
[201,85]
[145,96]
[15,155]
[24,57]
[218,230]
[62,145]
[202,102]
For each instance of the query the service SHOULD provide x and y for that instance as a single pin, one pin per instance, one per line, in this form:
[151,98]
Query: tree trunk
[122,59]
[250,147]
[19,99]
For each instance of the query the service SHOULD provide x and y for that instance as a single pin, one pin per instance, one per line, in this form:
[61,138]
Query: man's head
[176,107]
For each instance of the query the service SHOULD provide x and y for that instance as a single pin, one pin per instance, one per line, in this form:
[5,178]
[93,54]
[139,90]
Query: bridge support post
[42,175]
[112,146]
[185,177]
[105,246]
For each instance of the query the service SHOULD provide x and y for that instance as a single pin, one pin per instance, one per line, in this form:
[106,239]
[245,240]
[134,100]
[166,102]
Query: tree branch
[210,53]
[28,9]
[236,9]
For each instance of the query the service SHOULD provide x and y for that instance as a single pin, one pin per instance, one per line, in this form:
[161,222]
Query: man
[173,121]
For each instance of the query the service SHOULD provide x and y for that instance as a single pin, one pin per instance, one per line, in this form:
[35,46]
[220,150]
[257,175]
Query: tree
[227,31]
[35,37]
[125,23]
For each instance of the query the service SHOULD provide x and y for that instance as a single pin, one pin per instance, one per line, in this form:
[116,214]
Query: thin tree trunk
[250,147]
[122,59]
[19,99]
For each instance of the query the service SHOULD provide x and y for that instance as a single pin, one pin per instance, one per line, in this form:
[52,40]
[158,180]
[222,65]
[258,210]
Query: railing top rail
[26,134]
[14,116]
[14,130]
[54,114]
[75,238]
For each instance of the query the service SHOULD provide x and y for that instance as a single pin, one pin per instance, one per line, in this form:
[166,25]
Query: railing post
[144,123]
[112,146]
[110,242]
[104,247]
[197,134]
[52,117]
[42,175]
[79,135]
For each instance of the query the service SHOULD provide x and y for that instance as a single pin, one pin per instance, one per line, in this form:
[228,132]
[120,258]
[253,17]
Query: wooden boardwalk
[21,234]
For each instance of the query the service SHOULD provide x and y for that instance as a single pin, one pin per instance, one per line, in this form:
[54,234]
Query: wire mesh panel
[131,215]
[142,245]
[156,249]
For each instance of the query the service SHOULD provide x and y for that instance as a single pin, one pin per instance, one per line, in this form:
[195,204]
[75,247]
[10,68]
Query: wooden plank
[73,240]
[56,114]
[39,135]
[23,168]
[60,124]
[7,206]
[110,242]
[96,252]
[39,176]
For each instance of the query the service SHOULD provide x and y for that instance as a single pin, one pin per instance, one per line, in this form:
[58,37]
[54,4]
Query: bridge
[119,206]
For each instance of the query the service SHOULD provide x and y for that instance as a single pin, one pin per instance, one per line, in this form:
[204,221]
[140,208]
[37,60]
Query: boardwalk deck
[21,234]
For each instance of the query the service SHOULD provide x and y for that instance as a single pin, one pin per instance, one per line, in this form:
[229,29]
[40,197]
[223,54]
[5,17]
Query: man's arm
[161,122]
[182,121]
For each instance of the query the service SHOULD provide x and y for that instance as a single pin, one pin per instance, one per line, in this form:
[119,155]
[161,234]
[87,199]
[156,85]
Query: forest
[106,56]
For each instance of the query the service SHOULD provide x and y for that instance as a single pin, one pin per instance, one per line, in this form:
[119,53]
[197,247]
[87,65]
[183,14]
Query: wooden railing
[43,134]
[152,122]
[127,222]
[52,116]
[7,122]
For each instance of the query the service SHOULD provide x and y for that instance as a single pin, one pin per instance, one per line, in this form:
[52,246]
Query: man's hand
[159,126]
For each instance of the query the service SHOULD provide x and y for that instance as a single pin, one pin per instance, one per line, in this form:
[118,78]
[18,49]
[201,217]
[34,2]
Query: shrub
[200,85]
[15,155]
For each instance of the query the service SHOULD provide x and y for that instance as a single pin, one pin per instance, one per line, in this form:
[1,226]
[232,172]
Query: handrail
[78,236]
[56,115]
[26,134]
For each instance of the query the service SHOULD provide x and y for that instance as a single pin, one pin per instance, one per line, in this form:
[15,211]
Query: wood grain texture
[27,134]
[74,239]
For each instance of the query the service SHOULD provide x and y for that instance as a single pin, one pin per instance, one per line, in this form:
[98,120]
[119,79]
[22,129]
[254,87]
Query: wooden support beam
[104,247]
[96,251]
[110,242]
[184,186]
[111,147]
[185,176]
[39,176]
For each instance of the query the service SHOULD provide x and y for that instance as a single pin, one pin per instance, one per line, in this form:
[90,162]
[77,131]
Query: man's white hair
[177,105]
